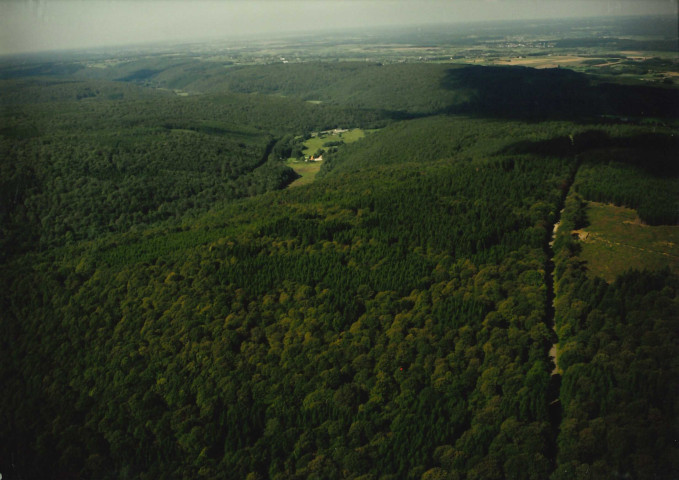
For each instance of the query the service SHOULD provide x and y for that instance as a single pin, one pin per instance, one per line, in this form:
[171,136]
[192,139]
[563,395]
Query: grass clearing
[307,170]
[616,241]
[313,144]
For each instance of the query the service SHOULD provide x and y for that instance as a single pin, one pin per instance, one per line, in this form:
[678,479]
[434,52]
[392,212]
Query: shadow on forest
[46,69]
[528,93]
[653,152]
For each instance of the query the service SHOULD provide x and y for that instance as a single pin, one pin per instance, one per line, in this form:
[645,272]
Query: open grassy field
[314,143]
[616,241]
[307,170]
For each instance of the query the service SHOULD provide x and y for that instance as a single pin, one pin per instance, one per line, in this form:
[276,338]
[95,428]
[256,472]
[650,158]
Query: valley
[418,254]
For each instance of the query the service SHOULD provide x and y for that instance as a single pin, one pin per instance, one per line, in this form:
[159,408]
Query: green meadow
[318,142]
[307,170]
[616,241]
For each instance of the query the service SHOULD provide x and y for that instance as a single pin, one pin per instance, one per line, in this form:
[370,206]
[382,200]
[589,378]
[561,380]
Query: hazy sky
[37,25]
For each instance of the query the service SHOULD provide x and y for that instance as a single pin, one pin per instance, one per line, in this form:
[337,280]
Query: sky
[41,25]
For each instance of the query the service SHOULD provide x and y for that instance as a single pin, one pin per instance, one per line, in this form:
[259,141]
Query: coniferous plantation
[425,309]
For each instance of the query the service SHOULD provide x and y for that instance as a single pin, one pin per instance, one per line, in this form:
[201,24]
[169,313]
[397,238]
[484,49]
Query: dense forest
[618,346]
[170,310]
[425,89]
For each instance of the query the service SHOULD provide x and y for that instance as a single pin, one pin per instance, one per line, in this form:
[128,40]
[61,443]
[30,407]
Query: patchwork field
[616,241]
[547,61]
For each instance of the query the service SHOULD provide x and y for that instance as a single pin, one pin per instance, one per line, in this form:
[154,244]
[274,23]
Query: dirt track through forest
[553,393]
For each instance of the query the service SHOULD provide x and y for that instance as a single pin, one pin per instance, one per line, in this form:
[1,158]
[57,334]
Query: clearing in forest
[616,241]
[321,141]
[307,170]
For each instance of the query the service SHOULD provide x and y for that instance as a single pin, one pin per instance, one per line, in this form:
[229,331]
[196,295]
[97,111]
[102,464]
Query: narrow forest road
[553,350]
[549,265]
[553,392]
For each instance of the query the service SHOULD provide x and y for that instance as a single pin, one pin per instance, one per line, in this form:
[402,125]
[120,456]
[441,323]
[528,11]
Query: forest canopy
[172,310]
